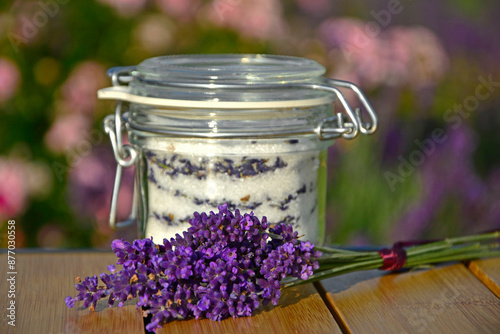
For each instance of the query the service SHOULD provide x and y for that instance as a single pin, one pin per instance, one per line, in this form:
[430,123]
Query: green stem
[344,269]
[474,238]
[274,236]
[449,242]
[340,261]
[331,250]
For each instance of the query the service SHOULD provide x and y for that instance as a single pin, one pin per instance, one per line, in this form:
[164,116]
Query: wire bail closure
[347,125]
[125,156]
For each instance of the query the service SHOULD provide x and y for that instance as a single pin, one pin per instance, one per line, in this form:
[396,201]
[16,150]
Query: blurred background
[430,68]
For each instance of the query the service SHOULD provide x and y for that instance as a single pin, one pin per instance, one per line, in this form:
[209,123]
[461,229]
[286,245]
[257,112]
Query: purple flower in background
[492,213]
[447,172]
[393,143]
[91,184]
[466,36]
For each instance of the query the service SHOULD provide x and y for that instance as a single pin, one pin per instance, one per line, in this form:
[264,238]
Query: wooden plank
[488,272]
[301,310]
[446,299]
[43,280]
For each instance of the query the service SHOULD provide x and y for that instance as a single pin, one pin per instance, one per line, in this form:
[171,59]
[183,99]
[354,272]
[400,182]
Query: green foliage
[361,198]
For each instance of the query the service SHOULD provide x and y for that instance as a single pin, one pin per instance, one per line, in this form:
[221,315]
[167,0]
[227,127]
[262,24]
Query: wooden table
[457,298]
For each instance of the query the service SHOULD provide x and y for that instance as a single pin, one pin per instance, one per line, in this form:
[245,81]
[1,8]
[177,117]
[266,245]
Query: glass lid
[229,68]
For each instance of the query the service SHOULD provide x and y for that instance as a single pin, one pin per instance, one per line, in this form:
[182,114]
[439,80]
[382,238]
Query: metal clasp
[365,128]
[125,155]
[339,125]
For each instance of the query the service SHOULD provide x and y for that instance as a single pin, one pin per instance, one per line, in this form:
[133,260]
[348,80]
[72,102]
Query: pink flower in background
[126,7]
[68,131]
[410,56]
[154,34]
[20,180]
[180,9]
[13,190]
[72,125]
[262,19]
[9,79]
[349,36]
[397,55]
[428,61]
[357,53]
[80,89]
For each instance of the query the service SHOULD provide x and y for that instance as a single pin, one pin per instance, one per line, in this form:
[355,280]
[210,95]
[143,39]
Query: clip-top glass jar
[251,131]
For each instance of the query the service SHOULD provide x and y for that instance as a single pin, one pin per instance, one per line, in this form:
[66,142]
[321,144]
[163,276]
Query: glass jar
[251,131]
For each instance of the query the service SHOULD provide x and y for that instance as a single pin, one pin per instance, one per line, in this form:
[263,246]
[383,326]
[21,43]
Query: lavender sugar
[266,178]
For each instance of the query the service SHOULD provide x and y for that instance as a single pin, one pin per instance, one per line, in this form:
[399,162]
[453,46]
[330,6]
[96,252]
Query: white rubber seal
[122,93]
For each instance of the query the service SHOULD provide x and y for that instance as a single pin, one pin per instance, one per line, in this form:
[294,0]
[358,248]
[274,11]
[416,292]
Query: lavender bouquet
[226,264]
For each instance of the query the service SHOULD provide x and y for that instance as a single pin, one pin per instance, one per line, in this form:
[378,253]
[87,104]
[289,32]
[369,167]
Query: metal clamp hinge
[338,125]
[346,126]
[125,155]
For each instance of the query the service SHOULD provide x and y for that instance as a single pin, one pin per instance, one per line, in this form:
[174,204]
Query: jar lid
[247,69]
[244,81]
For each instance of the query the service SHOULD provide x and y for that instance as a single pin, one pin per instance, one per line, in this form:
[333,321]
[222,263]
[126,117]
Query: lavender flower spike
[206,272]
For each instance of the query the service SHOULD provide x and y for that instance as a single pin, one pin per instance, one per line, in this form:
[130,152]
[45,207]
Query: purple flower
[229,254]
[288,247]
[70,302]
[117,244]
[112,268]
[306,271]
[306,246]
[247,223]
[206,272]
[203,304]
